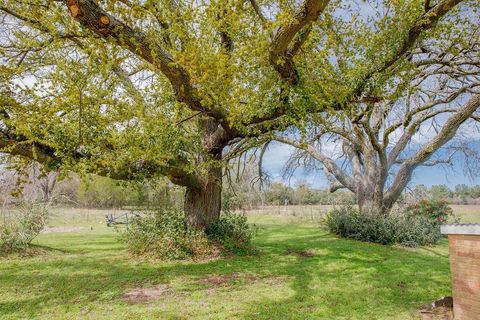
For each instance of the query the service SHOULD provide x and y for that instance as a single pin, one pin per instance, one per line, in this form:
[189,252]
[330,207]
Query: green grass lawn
[301,272]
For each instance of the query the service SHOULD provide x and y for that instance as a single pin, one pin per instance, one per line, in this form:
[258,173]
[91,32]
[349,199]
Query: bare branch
[448,130]
[327,162]
[431,163]
[128,85]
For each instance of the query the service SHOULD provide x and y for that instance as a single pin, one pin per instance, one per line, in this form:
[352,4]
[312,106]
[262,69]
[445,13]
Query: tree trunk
[374,207]
[202,205]
[373,202]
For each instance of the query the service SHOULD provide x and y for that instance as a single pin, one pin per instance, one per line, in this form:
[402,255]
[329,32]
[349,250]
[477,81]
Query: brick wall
[465,266]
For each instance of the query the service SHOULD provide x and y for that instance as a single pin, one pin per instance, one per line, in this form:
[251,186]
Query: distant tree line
[459,194]
[89,191]
[242,192]
[279,193]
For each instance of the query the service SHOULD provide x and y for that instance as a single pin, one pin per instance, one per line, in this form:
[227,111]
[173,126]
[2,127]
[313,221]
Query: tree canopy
[140,88]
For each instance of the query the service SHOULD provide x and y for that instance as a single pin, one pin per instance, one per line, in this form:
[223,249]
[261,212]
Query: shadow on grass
[29,251]
[342,278]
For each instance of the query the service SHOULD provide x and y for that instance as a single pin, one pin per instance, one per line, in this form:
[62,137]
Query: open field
[300,272]
[466,213]
[89,217]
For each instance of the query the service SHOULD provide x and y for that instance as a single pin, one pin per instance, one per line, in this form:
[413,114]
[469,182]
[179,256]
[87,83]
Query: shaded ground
[301,272]
[439,309]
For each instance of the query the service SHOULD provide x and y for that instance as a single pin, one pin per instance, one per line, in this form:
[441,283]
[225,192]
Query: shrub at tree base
[163,234]
[18,231]
[411,228]
[232,232]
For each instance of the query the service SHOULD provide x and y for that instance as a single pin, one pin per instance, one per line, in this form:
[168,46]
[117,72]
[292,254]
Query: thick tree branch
[288,38]
[333,184]
[30,150]
[327,162]
[448,130]
[410,132]
[258,10]
[117,70]
[18,144]
[91,16]
[423,23]
[406,120]
[47,156]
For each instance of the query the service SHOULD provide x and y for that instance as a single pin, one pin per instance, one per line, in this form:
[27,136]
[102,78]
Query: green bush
[233,232]
[347,222]
[434,209]
[163,234]
[417,230]
[19,230]
[408,228]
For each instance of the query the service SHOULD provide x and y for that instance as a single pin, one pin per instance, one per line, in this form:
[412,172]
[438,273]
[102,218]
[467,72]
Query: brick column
[464,247]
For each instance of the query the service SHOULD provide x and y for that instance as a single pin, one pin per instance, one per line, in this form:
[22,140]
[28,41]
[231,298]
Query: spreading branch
[288,38]
[327,162]
[423,23]
[91,16]
[448,130]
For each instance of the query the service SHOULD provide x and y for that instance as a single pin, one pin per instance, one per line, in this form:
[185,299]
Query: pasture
[81,271]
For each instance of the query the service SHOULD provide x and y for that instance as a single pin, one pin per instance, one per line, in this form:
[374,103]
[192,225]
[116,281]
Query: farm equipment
[123,218]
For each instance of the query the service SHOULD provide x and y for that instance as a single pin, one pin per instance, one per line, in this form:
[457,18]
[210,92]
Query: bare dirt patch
[303,253]
[142,295]
[225,280]
[217,281]
[442,309]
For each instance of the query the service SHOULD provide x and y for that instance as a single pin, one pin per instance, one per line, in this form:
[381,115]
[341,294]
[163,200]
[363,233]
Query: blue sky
[278,154]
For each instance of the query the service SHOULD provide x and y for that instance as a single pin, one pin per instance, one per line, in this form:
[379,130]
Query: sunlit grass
[85,273]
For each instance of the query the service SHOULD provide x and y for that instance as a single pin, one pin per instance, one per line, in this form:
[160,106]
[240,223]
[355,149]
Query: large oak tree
[132,89]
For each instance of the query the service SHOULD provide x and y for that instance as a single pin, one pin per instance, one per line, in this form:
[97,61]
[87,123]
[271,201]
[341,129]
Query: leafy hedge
[411,228]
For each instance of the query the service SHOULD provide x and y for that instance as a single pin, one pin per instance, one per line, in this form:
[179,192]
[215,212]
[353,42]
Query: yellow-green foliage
[67,88]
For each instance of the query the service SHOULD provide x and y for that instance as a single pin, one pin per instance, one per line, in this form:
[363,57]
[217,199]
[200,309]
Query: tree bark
[370,198]
[202,205]
[373,204]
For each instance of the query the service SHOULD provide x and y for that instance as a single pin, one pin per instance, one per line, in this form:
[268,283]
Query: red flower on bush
[436,209]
